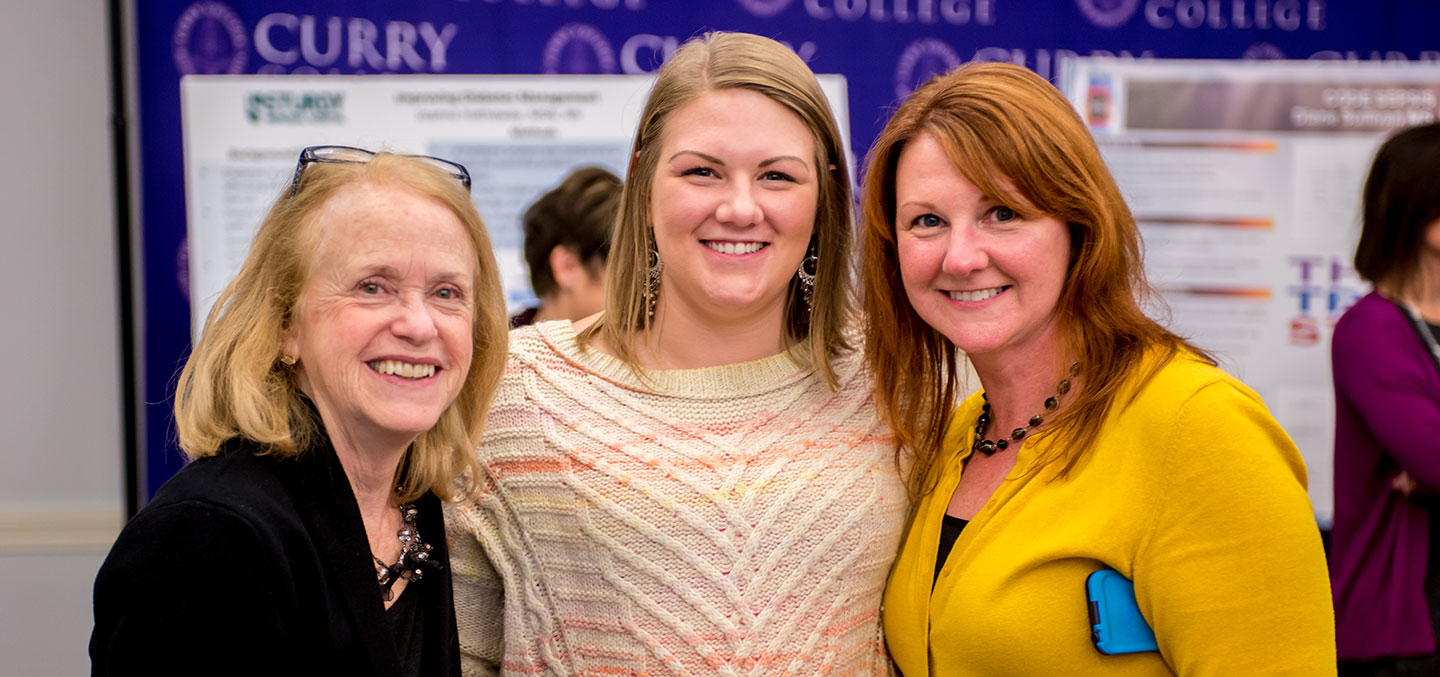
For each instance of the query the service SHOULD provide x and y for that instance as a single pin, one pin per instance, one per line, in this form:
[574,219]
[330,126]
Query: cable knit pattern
[736,520]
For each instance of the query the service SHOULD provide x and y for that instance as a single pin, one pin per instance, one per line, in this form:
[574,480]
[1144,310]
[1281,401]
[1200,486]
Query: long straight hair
[713,62]
[1014,136]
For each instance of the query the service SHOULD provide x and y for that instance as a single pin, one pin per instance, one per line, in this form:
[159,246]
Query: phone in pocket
[1116,626]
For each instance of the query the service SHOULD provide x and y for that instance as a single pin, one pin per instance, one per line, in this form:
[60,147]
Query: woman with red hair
[1099,440]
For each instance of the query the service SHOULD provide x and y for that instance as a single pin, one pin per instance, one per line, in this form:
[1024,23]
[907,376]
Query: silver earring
[808,267]
[652,280]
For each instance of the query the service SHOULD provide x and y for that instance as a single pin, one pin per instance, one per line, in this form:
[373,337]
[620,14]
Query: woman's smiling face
[384,325]
[976,270]
[732,206]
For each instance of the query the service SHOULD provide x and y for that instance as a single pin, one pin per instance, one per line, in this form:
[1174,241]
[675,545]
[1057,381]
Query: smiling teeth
[736,247]
[403,369]
[977,295]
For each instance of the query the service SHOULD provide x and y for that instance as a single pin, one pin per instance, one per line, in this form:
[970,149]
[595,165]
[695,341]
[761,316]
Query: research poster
[1245,178]
[517,135]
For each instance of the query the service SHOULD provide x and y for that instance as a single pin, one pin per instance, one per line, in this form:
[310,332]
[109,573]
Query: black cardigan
[255,565]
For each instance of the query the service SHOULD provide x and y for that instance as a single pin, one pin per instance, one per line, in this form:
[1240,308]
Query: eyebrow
[393,272]
[702,156]
[915,203]
[780,158]
[715,160]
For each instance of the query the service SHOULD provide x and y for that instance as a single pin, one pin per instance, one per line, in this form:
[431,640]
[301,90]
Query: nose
[965,252]
[739,207]
[414,320]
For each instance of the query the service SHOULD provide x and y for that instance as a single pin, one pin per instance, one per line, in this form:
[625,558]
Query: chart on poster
[1245,180]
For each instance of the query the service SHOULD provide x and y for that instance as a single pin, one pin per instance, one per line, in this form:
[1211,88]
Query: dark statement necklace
[1052,403]
[414,554]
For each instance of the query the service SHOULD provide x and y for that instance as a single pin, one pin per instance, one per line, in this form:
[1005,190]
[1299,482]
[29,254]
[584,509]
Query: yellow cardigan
[1192,491]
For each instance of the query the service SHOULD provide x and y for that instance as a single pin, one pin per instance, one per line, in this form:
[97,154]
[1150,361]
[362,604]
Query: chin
[413,424]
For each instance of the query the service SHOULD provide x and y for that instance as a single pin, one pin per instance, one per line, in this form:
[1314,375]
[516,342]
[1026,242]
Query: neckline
[708,383]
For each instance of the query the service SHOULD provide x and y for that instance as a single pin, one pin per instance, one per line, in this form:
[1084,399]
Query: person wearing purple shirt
[1385,552]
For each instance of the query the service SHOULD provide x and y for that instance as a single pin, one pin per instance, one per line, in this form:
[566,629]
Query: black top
[950,529]
[408,626]
[257,565]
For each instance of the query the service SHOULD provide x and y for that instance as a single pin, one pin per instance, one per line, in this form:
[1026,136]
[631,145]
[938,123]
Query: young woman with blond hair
[696,483]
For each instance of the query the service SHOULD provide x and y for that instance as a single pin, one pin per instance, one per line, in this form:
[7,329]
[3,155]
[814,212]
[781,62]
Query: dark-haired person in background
[567,239]
[1384,563]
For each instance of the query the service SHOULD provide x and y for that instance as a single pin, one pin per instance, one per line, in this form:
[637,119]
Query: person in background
[567,238]
[696,483]
[1100,439]
[334,398]
[1385,548]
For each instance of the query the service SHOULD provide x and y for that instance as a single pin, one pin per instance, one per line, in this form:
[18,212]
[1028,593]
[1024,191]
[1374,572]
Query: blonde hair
[1015,137]
[234,385]
[713,62]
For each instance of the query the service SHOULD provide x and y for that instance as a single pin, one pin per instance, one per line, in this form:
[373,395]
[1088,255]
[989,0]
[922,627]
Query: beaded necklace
[1052,403]
[414,553]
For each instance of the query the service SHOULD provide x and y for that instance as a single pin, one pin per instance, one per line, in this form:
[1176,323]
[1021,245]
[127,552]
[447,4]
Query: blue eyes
[997,215]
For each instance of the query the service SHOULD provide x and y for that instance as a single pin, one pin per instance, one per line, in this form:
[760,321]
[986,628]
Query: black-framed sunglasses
[349,154]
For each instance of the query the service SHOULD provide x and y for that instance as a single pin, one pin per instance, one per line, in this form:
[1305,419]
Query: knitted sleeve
[1232,576]
[479,595]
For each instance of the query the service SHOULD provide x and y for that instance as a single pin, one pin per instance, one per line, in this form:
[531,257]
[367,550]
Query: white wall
[61,497]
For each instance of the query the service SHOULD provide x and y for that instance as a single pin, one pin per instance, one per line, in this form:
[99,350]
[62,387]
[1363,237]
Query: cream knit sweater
[736,520]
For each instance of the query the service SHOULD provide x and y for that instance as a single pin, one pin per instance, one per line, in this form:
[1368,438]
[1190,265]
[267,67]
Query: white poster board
[517,135]
[1245,179]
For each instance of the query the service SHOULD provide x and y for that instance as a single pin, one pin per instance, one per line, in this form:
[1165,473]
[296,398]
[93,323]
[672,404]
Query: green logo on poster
[295,107]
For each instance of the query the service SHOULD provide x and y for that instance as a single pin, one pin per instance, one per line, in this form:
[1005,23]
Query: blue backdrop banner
[883,48]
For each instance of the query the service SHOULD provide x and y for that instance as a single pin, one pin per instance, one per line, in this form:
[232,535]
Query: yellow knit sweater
[1193,492]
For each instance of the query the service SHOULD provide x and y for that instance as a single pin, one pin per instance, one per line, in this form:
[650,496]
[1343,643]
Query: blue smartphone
[1116,626]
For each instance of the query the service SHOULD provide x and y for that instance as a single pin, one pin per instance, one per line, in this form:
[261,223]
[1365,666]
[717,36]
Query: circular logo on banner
[209,38]
[923,59]
[1108,13]
[1262,50]
[578,48]
[764,7]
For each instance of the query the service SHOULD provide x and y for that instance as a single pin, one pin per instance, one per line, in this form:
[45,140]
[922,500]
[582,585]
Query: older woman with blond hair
[334,398]
[697,482]
[1100,439]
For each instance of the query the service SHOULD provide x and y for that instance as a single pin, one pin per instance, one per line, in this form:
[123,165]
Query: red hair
[1016,138]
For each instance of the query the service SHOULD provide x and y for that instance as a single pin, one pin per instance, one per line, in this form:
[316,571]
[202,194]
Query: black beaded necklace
[414,554]
[1052,403]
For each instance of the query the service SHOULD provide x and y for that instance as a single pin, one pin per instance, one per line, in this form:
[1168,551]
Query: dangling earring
[808,267]
[288,359]
[652,280]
